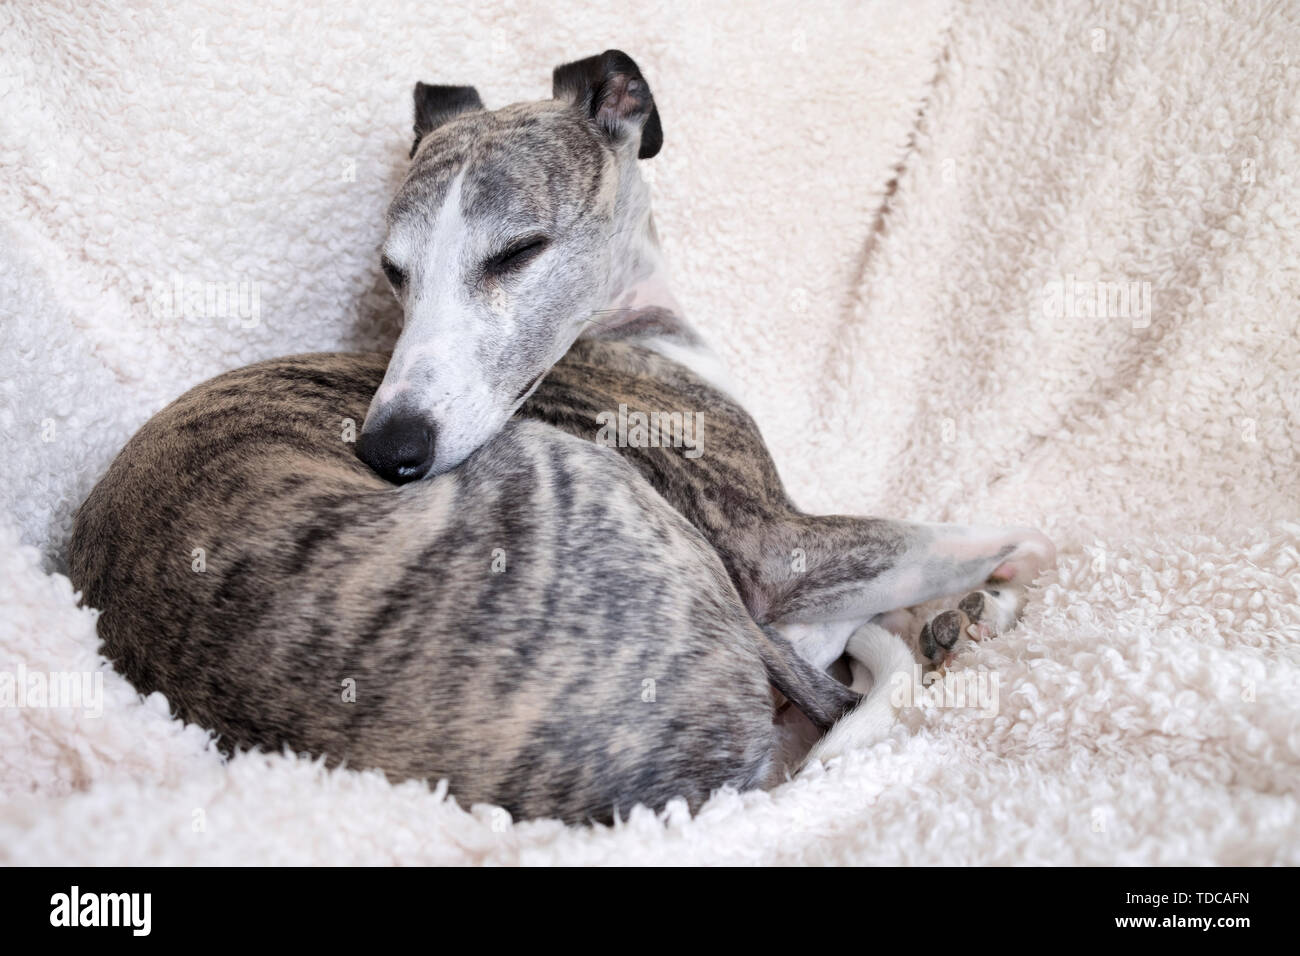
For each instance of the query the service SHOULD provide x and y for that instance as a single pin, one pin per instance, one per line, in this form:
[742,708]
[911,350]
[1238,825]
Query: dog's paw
[985,613]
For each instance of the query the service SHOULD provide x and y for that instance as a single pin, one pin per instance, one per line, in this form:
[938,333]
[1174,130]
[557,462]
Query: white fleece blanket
[898,223]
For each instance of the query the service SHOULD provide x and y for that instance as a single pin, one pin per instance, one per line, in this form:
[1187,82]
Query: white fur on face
[476,337]
[436,367]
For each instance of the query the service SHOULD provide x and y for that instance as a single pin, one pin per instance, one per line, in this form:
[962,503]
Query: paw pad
[972,605]
[979,615]
[941,634]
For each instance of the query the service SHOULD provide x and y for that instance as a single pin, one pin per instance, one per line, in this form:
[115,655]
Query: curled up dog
[481,589]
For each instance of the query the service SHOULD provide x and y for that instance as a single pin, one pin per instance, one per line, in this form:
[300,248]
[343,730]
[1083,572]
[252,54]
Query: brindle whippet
[485,592]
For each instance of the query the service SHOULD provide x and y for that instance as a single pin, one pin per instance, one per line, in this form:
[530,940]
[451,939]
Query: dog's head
[501,244]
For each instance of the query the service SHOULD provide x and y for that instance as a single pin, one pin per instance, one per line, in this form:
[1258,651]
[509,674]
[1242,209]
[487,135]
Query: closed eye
[516,255]
[396,277]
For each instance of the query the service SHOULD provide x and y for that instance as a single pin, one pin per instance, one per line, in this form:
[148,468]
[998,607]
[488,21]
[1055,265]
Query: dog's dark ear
[435,105]
[611,90]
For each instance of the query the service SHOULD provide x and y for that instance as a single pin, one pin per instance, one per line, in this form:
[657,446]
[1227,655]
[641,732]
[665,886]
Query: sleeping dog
[484,587]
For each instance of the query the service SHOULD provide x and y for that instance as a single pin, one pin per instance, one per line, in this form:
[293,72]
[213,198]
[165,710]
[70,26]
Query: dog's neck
[638,278]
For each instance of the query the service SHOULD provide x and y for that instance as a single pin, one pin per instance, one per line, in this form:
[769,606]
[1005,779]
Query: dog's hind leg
[817,580]
[814,579]
[839,569]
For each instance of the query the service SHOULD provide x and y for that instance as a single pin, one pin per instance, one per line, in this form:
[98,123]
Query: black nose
[399,447]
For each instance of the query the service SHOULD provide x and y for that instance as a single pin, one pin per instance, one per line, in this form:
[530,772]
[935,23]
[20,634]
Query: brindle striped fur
[623,653]
[732,493]
[524,687]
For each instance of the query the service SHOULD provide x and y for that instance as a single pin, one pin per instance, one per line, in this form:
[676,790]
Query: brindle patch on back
[607,661]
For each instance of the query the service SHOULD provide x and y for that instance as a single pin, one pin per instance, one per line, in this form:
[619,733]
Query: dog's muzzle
[399,448]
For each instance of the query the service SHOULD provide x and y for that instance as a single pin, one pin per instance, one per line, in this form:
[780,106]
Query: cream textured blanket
[1024,263]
